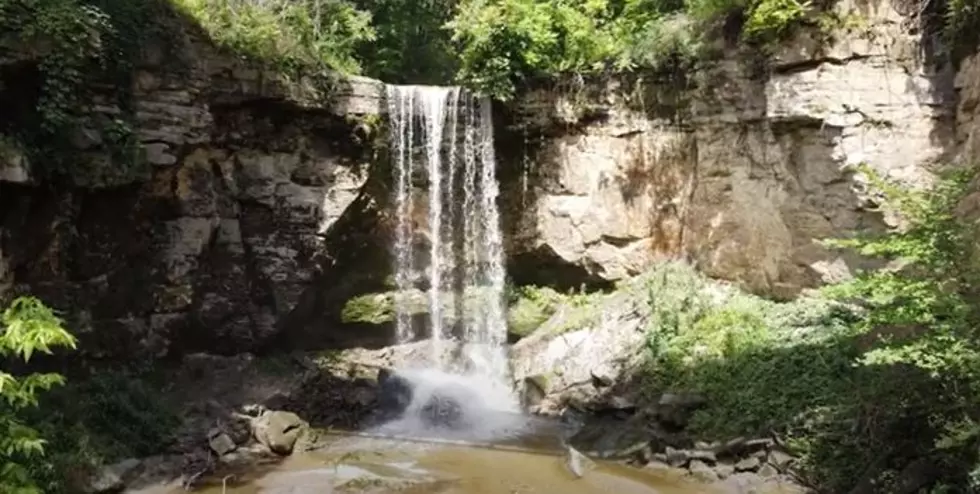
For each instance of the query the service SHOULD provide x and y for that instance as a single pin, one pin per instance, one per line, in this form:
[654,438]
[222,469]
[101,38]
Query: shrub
[108,415]
[287,33]
[878,372]
[504,41]
[28,327]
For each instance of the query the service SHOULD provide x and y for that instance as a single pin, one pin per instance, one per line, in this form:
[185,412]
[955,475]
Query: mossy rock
[373,308]
[380,308]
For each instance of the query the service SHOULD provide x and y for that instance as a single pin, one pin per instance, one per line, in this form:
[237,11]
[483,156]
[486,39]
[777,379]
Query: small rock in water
[702,472]
[110,479]
[577,463]
[220,442]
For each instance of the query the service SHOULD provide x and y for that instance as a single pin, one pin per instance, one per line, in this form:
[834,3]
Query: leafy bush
[288,33]
[28,327]
[100,418]
[922,314]
[53,442]
[504,41]
[881,371]
[77,44]
[962,27]
[411,44]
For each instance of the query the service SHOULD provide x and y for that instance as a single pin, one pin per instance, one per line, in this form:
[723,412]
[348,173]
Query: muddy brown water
[363,465]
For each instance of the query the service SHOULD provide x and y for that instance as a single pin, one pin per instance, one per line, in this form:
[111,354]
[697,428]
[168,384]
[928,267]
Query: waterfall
[442,140]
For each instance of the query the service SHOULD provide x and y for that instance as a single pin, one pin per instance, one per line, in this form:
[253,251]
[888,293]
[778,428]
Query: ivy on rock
[73,47]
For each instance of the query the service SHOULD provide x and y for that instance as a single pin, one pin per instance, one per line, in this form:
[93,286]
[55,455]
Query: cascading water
[442,138]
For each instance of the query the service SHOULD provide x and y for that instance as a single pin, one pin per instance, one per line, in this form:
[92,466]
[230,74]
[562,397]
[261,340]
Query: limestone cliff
[229,228]
[740,167]
[264,207]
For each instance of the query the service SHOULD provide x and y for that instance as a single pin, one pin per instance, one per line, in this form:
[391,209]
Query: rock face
[737,168]
[554,370]
[246,205]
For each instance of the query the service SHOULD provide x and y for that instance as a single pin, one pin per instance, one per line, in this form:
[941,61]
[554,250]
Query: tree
[27,327]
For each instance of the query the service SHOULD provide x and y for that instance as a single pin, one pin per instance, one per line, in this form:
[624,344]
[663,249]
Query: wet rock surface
[395,393]
[444,408]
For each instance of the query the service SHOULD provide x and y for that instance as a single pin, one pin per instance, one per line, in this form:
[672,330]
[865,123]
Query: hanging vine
[75,45]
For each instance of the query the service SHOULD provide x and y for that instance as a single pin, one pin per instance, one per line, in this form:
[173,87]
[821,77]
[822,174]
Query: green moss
[373,308]
[542,381]
[533,307]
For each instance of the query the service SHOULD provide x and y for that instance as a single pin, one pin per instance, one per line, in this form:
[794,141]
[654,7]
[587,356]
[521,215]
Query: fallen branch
[224,483]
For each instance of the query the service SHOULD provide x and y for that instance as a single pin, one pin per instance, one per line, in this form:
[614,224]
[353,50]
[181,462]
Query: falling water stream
[442,138]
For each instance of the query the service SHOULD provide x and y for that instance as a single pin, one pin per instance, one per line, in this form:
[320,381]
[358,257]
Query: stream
[363,465]
[447,439]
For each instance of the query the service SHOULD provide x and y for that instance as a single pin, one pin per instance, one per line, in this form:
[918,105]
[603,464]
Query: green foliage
[927,299]
[504,41]
[961,29]
[287,33]
[878,372]
[772,18]
[28,327]
[53,442]
[100,418]
[411,45]
[530,307]
[77,44]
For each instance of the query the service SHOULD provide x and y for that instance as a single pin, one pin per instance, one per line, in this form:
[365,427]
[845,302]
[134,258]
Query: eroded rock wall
[231,229]
[740,168]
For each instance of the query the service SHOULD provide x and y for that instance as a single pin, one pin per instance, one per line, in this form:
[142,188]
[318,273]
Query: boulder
[702,472]
[279,431]
[749,464]
[577,463]
[444,408]
[394,393]
[615,406]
